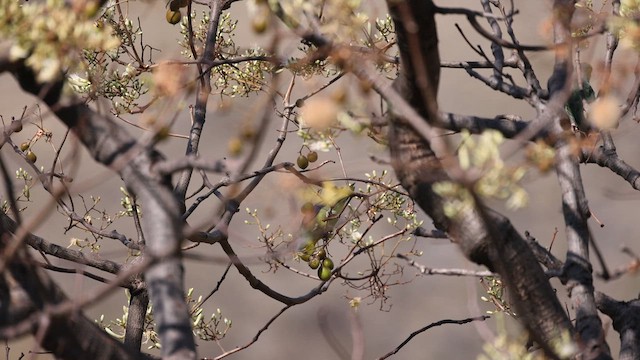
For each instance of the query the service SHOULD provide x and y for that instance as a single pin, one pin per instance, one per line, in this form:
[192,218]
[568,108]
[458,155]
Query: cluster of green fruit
[25,147]
[173,13]
[304,160]
[317,259]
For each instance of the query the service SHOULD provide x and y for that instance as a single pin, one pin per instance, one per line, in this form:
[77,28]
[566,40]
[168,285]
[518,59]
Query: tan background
[411,306]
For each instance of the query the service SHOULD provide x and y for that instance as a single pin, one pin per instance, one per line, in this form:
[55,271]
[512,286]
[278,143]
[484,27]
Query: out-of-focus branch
[626,321]
[202,96]
[112,146]
[67,336]
[136,318]
[472,18]
[577,271]
[60,252]
[483,235]
[609,158]
[508,126]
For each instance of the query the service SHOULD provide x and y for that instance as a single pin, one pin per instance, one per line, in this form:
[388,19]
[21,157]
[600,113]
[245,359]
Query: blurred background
[419,300]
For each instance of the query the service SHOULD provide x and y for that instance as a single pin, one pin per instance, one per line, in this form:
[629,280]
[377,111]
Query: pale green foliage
[49,36]
[348,230]
[629,8]
[109,73]
[541,155]
[25,195]
[383,200]
[212,328]
[497,180]
[458,198]
[23,175]
[381,37]
[506,347]
[92,246]
[318,140]
[496,295]
[385,31]
[127,204]
[626,26]
[589,23]
[480,157]
[340,20]
[229,79]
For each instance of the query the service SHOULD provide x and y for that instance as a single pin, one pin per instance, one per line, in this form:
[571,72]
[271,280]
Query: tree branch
[484,236]
[68,336]
[112,146]
[577,270]
[432,325]
[626,321]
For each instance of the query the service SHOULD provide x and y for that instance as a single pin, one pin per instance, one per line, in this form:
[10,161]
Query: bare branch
[626,321]
[447,272]
[432,325]
[257,336]
[110,145]
[69,336]
[575,209]
[203,91]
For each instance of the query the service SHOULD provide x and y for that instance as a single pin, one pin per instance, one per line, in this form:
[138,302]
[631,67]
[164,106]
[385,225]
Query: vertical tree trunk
[483,235]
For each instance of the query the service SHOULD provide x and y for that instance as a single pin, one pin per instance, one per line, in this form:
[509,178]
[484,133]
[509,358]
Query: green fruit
[322,254]
[312,156]
[324,273]
[302,162]
[314,263]
[25,146]
[173,17]
[328,263]
[31,156]
[235,146]
[304,256]
[259,24]
[308,248]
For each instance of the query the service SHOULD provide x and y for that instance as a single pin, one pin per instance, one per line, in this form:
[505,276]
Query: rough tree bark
[626,321]
[485,236]
[27,291]
[112,146]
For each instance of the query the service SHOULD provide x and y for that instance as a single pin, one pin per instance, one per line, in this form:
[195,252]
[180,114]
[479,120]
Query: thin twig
[447,272]
[435,324]
[256,337]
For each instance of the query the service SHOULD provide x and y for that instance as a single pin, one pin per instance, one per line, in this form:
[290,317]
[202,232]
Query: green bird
[575,105]
[320,219]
